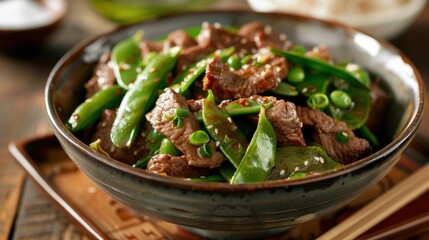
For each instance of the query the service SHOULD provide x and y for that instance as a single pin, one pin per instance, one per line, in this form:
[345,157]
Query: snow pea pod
[291,161]
[89,111]
[167,147]
[313,83]
[285,89]
[223,130]
[260,155]
[184,80]
[126,59]
[239,107]
[322,66]
[355,116]
[140,97]
[244,106]
[153,142]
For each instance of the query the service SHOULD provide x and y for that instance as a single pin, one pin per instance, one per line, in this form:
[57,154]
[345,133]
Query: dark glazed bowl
[231,211]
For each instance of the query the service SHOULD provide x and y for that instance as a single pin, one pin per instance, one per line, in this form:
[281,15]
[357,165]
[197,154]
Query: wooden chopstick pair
[382,207]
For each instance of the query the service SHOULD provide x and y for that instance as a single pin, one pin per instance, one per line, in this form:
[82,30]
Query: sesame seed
[216,131]
[217,25]
[268,29]
[210,127]
[282,37]
[305,163]
[217,143]
[296,169]
[282,172]
[229,119]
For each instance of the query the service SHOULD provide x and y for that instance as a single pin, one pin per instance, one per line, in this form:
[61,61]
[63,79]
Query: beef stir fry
[234,105]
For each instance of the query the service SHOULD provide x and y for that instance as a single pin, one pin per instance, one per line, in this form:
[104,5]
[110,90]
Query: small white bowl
[25,25]
[388,20]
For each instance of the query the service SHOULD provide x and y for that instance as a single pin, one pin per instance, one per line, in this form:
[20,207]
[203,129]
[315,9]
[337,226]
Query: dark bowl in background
[250,210]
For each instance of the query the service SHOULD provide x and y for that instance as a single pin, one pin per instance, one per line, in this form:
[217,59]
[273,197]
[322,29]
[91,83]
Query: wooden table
[24,210]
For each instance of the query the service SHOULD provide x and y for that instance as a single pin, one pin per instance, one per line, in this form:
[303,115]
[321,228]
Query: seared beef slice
[176,166]
[325,130]
[160,118]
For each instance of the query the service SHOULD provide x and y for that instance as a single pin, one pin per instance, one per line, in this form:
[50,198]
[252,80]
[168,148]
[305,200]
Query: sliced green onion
[318,100]
[167,147]
[199,137]
[205,150]
[182,112]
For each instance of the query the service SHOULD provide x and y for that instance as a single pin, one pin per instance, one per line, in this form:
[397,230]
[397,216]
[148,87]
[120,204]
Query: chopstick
[382,207]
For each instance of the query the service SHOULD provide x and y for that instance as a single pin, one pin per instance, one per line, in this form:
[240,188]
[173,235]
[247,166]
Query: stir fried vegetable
[232,105]
[140,97]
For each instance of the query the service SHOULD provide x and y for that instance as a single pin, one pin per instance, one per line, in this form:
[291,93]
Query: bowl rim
[402,137]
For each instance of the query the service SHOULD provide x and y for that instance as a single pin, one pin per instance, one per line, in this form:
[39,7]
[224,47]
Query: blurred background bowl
[248,210]
[383,18]
[26,24]
[131,11]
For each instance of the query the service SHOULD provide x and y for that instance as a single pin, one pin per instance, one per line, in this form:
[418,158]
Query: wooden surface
[24,211]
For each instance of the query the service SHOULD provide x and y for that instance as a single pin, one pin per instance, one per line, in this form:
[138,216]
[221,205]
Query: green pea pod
[313,83]
[239,107]
[304,160]
[152,143]
[357,71]
[244,107]
[322,66]
[89,111]
[167,147]
[285,89]
[223,130]
[126,58]
[355,116]
[140,98]
[184,80]
[260,155]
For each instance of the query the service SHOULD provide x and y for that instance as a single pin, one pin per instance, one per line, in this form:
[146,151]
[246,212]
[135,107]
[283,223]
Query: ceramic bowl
[26,25]
[384,18]
[222,210]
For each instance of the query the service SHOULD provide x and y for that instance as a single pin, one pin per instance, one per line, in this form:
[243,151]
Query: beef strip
[176,166]
[150,46]
[212,37]
[160,118]
[126,155]
[324,132]
[263,36]
[227,83]
[284,118]
[103,76]
[179,38]
[191,55]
